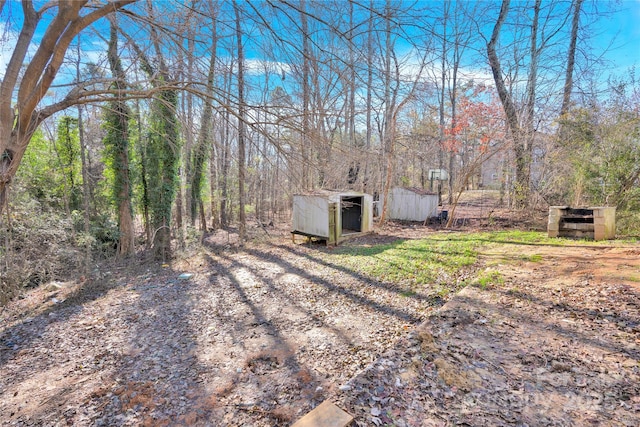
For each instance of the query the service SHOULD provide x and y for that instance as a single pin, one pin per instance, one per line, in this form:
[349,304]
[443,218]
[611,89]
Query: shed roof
[419,191]
[327,193]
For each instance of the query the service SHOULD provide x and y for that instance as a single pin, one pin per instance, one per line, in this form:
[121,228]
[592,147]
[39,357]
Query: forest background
[128,125]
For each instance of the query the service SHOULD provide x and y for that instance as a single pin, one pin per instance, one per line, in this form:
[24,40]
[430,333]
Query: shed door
[333,230]
[351,214]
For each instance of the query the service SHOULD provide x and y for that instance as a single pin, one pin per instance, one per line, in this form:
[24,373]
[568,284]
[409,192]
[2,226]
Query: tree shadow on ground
[439,259]
[157,379]
[111,381]
[264,358]
[335,287]
[32,325]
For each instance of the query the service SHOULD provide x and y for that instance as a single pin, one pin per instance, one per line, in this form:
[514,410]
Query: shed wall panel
[311,215]
[409,206]
[367,213]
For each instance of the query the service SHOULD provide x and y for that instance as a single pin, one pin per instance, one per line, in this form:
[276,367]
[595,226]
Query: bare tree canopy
[279,97]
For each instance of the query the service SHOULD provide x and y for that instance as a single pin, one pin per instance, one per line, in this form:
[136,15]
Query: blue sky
[615,35]
[623,30]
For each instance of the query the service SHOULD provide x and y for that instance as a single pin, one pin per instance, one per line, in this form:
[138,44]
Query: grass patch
[531,258]
[441,260]
[522,238]
[488,279]
[408,262]
[412,263]
[408,293]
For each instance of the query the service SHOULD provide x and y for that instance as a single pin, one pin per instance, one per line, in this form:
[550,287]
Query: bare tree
[518,135]
[531,47]
[241,126]
[395,99]
[204,136]
[441,96]
[571,58]
[369,96]
[306,97]
[85,175]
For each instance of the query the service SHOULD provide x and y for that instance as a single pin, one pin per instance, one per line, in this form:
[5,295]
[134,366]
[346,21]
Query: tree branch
[8,84]
[496,69]
[29,101]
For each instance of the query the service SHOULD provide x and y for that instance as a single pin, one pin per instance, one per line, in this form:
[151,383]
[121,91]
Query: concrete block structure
[597,223]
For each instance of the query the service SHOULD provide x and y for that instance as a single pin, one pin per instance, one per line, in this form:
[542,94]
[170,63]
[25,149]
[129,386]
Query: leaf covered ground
[533,333]
[554,342]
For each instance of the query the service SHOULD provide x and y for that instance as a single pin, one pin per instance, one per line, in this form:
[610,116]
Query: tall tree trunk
[142,159]
[571,60]
[241,128]
[513,123]
[118,141]
[453,96]
[389,123]
[163,157]
[528,135]
[225,161]
[179,224]
[351,86]
[213,188]
[369,106]
[85,177]
[321,139]
[441,95]
[189,131]
[204,137]
[348,81]
[306,99]
[85,192]
[454,104]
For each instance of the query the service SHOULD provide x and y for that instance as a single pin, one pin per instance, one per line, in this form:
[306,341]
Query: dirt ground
[260,336]
[556,344]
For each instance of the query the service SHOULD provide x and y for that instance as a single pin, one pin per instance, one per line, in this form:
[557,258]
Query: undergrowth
[39,244]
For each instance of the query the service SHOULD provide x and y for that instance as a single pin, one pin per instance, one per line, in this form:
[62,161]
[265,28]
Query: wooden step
[326,414]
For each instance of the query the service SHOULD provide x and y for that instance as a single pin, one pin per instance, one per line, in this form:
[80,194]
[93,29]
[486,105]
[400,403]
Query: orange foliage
[479,123]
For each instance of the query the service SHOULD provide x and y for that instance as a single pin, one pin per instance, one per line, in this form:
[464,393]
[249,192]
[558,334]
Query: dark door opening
[351,214]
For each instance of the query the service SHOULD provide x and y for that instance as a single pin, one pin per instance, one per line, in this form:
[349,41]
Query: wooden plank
[333,230]
[326,414]
[578,217]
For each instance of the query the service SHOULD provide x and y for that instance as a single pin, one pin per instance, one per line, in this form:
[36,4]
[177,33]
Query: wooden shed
[332,215]
[412,204]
